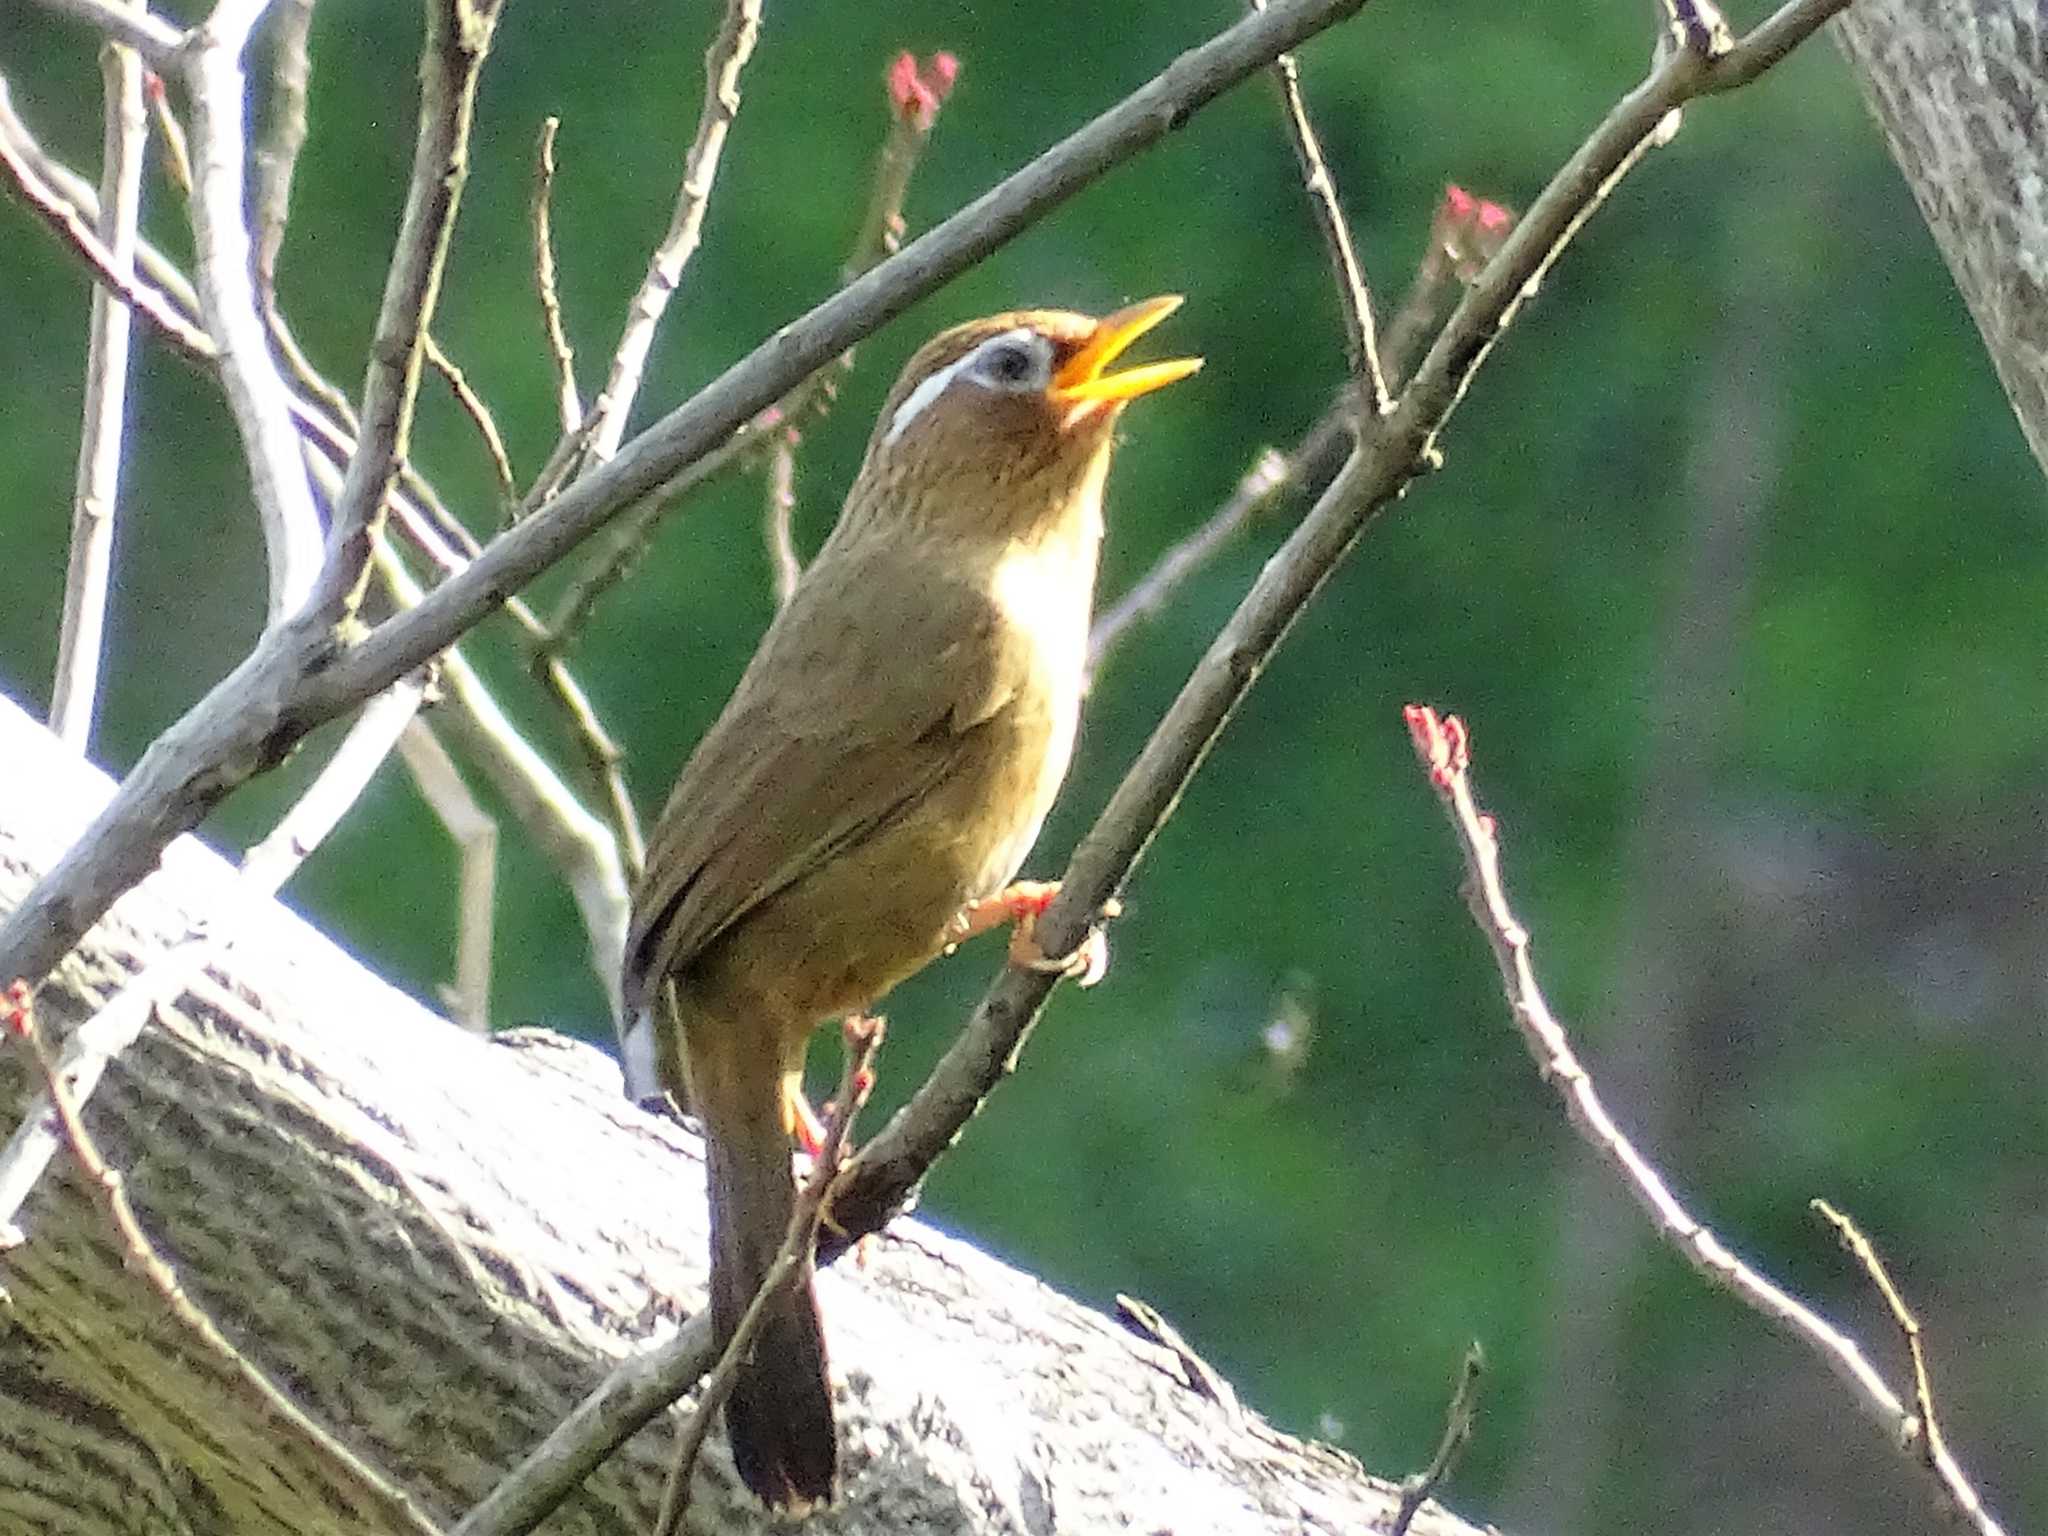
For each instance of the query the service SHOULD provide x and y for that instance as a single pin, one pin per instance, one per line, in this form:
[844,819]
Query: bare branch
[265,868]
[1353,298]
[475,832]
[1444,749]
[779,507]
[569,400]
[458,38]
[239,1374]
[1306,467]
[479,414]
[1416,1490]
[75,692]
[66,216]
[256,394]
[723,62]
[1931,1445]
[137,26]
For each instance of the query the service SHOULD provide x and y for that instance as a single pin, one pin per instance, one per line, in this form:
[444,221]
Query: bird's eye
[1011,364]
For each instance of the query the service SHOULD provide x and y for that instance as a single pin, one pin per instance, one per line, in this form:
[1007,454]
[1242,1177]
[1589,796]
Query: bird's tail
[779,1417]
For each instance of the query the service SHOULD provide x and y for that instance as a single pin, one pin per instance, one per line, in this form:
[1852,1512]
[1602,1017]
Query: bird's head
[1005,422]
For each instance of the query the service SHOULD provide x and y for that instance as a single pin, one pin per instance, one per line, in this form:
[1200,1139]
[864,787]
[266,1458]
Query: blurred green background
[1738,568]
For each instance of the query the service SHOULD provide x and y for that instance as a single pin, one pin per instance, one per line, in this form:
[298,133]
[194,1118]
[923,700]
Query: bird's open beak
[1082,381]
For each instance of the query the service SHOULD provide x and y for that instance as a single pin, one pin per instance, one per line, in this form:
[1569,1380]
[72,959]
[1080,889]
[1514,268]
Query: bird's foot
[803,1122]
[1022,904]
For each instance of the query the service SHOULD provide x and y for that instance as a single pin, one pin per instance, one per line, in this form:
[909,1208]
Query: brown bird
[883,766]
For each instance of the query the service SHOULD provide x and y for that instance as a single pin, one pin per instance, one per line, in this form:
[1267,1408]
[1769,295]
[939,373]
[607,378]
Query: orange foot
[802,1120]
[1023,904]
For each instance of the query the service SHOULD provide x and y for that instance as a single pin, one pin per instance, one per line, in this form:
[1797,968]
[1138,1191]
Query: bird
[872,786]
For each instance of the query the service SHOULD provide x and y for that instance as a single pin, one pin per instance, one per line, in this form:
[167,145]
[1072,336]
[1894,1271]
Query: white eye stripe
[931,387]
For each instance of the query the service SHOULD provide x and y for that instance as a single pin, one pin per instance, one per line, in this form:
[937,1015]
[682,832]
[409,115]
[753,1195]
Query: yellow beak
[1082,380]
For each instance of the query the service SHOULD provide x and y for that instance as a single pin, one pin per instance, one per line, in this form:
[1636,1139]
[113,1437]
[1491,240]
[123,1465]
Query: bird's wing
[852,710]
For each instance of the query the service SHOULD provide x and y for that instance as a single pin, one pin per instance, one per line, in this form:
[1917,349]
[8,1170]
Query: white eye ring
[992,365]
[1016,360]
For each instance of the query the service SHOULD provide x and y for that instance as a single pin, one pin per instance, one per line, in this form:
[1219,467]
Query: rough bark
[438,1244]
[1960,90]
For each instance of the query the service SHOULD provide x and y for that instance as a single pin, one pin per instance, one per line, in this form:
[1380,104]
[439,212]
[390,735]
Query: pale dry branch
[265,868]
[135,25]
[475,834]
[272,1404]
[569,400]
[1444,748]
[916,93]
[74,693]
[724,61]
[256,393]
[458,39]
[1354,298]
[884,1176]
[777,513]
[176,149]
[1923,1430]
[478,413]
[1306,467]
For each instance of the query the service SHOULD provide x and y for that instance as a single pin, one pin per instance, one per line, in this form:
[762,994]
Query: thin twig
[480,414]
[380,1498]
[724,61]
[75,691]
[1354,299]
[264,870]
[569,399]
[1307,466]
[176,155]
[67,218]
[1931,1444]
[862,1037]
[458,39]
[1443,746]
[475,833]
[888,1169]
[777,511]
[1417,1489]
[915,93]
[256,394]
[136,25]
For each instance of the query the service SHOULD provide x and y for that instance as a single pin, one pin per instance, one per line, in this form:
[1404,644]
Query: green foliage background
[1738,567]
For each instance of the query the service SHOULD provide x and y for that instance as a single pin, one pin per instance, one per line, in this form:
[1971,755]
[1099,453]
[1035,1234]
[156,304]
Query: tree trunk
[438,1244]
[1959,89]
